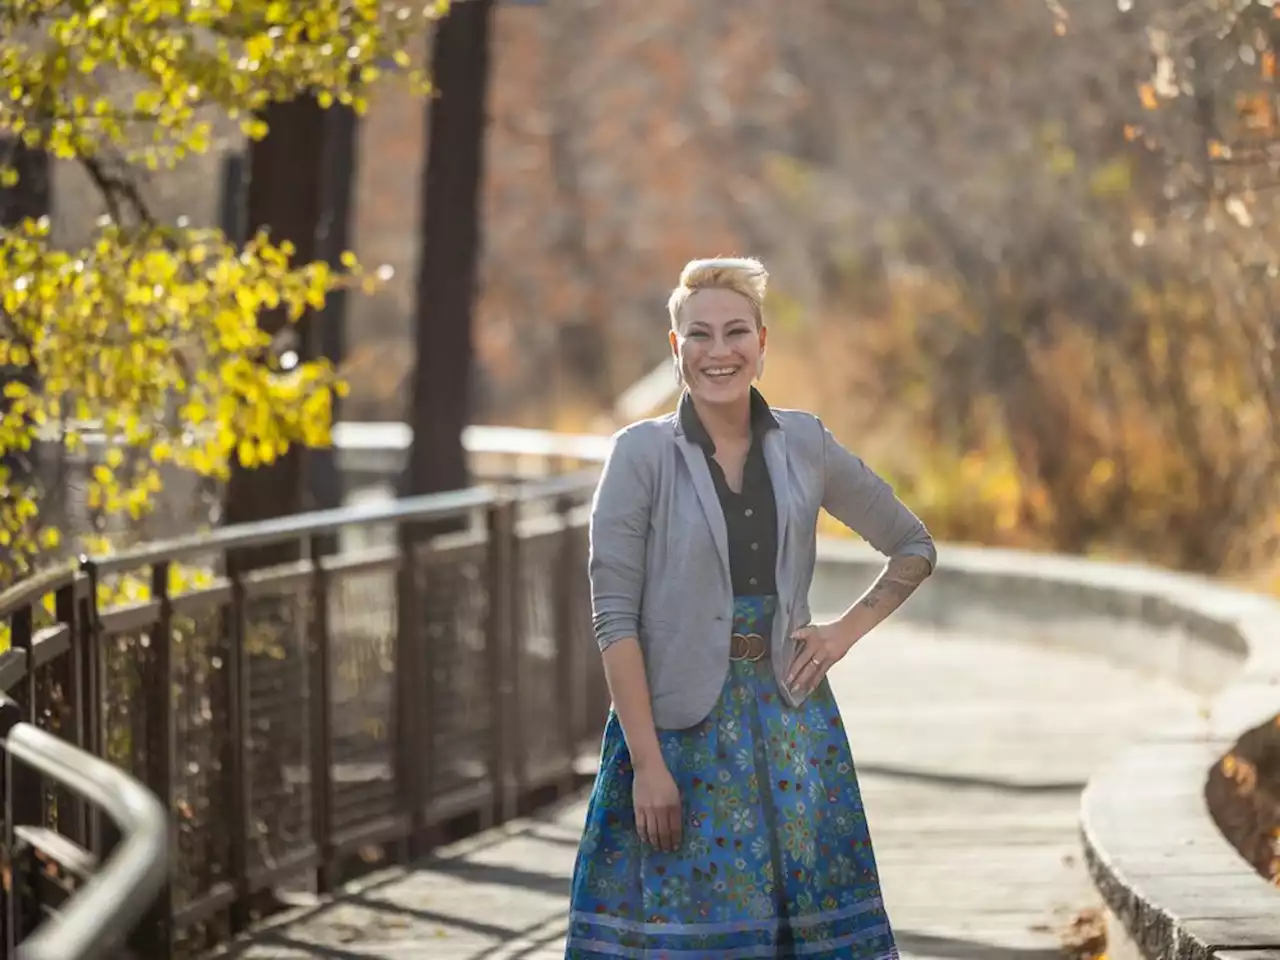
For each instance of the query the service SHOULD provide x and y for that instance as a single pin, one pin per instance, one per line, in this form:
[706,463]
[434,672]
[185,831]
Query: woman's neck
[726,423]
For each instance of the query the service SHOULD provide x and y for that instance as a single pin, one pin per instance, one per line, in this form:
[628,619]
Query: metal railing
[113,900]
[410,670]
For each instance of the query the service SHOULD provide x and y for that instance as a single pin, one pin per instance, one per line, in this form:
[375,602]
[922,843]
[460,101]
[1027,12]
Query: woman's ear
[675,357]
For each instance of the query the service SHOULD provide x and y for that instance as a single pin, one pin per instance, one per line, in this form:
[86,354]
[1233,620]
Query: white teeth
[721,372]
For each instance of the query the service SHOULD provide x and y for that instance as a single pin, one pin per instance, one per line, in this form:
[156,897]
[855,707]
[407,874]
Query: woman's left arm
[860,499]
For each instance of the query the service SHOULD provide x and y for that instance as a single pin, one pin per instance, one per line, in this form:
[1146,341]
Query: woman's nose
[719,345]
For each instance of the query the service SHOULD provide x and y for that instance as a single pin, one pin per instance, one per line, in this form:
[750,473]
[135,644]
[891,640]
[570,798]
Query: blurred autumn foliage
[1097,373]
[1023,250]
[1023,253]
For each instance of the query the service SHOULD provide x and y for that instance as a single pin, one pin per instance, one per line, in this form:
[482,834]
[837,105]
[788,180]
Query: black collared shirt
[750,516]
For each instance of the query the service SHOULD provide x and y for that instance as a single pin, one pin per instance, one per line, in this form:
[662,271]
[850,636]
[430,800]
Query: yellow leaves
[144,323]
[257,50]
[14,354]
[139,326]
[1147,96]
[251,53]
[1101,474]
[253,128]
[195,413]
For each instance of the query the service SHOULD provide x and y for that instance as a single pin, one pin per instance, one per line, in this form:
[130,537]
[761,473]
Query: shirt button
[755,546]
[752,581]
[749,511]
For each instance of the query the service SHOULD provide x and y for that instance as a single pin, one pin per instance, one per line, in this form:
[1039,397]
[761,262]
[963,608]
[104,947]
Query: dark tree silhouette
[450,251]
[299,190]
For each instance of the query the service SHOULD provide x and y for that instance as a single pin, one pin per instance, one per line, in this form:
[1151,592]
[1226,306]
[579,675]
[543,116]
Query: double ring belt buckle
[747,646]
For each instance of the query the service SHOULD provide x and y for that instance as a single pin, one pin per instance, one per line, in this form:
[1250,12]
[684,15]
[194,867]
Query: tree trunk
[329,334]
[284,197]
[450,251]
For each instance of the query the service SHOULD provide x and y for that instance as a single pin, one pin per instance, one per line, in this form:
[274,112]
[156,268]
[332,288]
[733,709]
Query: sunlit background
[1024,259]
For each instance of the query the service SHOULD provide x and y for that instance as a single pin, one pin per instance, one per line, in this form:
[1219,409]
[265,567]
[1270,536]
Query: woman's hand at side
[654,794]
[656,799]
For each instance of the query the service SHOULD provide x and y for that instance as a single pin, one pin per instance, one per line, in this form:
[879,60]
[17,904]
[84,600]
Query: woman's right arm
[629,688]
[619,538]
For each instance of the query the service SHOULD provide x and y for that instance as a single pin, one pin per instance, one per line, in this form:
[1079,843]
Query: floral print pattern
[775,859]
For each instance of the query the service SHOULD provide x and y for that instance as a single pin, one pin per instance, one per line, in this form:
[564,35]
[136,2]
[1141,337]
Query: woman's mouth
[719,374]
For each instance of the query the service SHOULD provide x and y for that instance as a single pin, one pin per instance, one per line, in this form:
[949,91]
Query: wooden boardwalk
[972,754]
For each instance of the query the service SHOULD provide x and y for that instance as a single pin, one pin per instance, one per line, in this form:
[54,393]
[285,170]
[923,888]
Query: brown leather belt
[748,646]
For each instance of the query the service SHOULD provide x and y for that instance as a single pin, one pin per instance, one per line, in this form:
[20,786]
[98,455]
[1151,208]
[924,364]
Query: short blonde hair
[743,275]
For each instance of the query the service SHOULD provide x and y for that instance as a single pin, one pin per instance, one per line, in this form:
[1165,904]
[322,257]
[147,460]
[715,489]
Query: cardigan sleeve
[865,503]
[619,538]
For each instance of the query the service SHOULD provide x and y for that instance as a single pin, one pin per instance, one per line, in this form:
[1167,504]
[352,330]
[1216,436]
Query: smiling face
[718,344]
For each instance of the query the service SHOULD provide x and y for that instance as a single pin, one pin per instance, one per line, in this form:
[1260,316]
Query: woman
[726,820]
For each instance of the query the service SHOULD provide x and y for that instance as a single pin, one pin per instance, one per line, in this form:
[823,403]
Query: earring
[679,374]
[760,368]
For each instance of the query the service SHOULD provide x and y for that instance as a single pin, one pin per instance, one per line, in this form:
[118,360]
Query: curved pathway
[972,754]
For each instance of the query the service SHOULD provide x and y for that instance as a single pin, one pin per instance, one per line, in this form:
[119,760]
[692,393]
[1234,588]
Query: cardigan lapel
[775,458]
[706,489]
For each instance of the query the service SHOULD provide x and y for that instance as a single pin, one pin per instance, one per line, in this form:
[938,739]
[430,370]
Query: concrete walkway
[971,752]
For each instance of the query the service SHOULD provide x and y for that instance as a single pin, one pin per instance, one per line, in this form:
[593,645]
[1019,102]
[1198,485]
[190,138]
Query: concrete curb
[1174,888]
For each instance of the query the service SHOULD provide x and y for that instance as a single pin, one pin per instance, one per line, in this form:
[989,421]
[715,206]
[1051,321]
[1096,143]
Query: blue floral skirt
[775,858]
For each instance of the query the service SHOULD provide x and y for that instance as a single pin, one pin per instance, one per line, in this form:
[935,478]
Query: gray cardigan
[659,557]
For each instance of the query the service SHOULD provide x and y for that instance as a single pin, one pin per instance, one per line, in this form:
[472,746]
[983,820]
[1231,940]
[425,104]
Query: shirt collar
[762,420]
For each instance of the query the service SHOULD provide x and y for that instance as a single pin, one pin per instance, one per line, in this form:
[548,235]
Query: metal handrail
[102,913]
[430,506]
[30,589]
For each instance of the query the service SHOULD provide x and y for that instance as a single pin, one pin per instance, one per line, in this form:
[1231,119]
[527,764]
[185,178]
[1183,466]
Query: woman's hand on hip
[656,799]
[819,647]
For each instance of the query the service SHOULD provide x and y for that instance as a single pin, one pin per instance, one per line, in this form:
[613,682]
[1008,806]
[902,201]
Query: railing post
[567,650]
[321,734]
[88,641]
[25,786]
[18,788]
[498,648]
[21,636]
[414,753]
[237,794]
[515,663]
[154,936]
[67,610]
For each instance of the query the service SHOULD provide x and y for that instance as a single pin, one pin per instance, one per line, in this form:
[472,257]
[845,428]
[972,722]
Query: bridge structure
[379,752]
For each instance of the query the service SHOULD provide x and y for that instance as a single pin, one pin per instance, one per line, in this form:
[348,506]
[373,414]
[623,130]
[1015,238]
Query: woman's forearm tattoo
[898,581]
